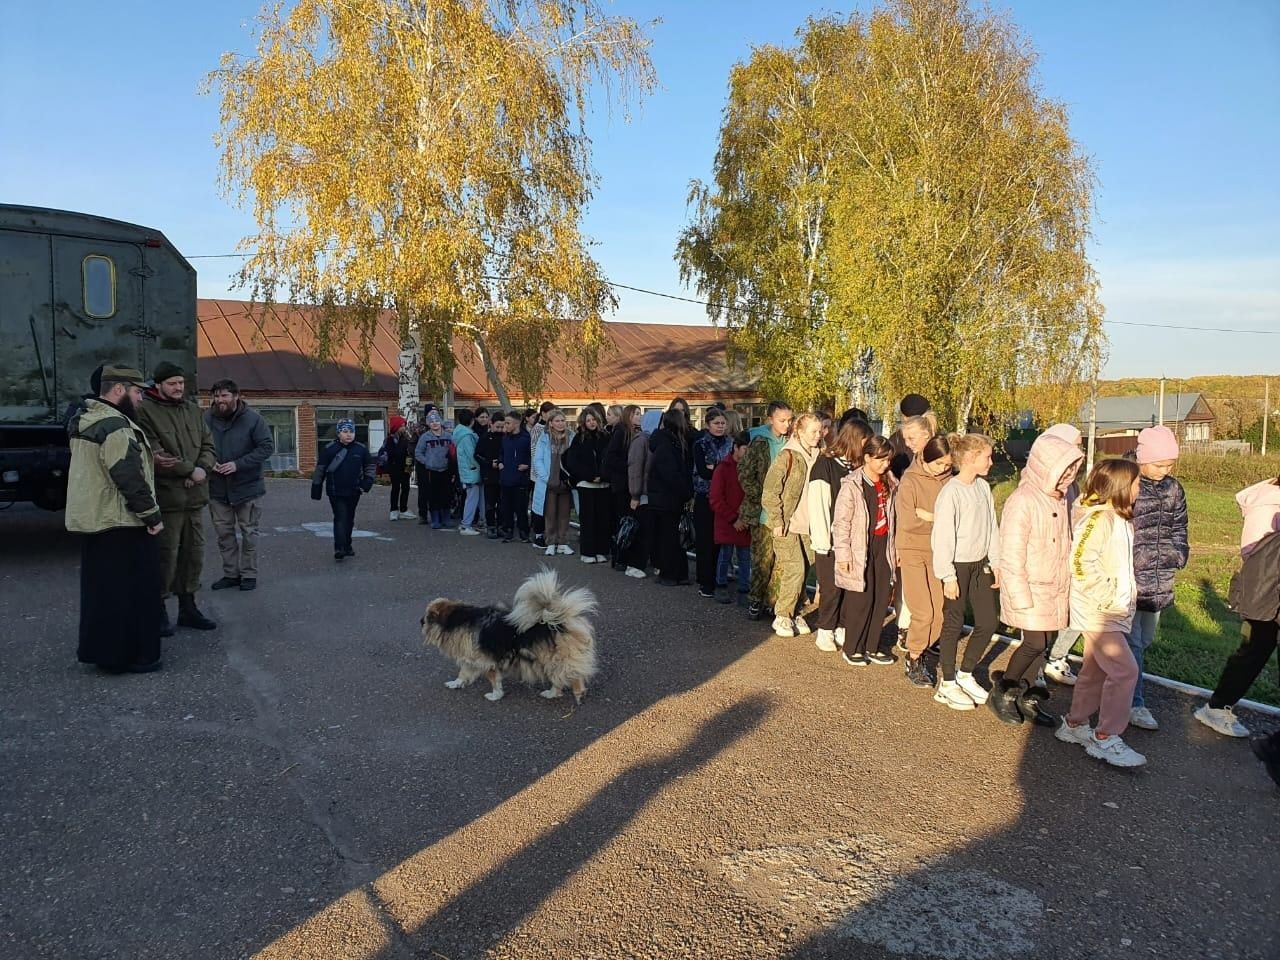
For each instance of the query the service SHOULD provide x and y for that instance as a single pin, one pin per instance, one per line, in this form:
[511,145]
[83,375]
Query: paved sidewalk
[301,784]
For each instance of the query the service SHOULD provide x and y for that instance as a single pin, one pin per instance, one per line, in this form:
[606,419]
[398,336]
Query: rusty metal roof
[267,349]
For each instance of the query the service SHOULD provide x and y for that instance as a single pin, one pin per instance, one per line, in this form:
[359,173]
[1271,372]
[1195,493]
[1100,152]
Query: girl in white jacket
[1104,596]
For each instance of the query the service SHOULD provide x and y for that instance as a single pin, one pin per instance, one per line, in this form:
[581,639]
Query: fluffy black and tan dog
[544,637]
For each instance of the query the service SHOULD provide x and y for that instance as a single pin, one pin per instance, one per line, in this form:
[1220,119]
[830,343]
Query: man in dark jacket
[183,451]
[242,445]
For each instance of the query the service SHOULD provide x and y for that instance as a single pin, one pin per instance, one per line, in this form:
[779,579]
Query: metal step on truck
[77,291]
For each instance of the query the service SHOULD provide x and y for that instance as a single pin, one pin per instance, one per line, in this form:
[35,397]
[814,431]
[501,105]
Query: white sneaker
[636,572]
[549,552]
[408,515]
[826,641]
[395,514]
[1221,720]
[1114,751]
[588,559]
[951,694]
[468,532]
[601,558]
[1059,671]
[1080,736]
[972,687]
[564,550]
[1141,718]
[783,627]
[802,628]
[840,637]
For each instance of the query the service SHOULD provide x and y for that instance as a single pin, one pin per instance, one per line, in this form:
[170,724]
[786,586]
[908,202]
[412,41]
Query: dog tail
[540,599]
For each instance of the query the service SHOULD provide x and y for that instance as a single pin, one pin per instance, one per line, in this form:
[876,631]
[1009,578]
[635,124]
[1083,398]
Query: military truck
[77,291]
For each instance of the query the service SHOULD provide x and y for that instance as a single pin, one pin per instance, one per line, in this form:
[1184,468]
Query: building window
[283,424]
[99,286]
[327,423]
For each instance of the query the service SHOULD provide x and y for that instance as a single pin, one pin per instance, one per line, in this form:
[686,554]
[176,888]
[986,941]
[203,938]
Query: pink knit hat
[1156,444]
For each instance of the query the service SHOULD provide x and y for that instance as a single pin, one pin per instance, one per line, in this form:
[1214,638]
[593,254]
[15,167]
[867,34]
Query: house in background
[266,350]
[1119,419]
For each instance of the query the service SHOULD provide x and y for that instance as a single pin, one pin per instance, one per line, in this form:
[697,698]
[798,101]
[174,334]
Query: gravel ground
[301,784]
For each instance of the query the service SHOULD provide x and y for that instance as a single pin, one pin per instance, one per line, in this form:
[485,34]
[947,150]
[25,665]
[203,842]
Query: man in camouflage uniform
[184,455]
[766,441]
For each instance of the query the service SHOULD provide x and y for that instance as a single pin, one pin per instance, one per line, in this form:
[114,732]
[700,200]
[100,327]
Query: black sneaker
[249,583]
[338,554]
[523,538]
[706,594]
[493,535]
[349,552]
[881,659]
[917,673]
[226,583]
[755,611]
[855,660]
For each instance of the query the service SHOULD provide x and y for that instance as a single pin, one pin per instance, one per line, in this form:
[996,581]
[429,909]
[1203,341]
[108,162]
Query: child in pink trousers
[1104,596]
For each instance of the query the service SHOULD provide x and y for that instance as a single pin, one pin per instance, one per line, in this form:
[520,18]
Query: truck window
[99,286]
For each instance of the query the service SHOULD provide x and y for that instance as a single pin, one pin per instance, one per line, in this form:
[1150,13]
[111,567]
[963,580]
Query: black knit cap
[164,370]
[913,405]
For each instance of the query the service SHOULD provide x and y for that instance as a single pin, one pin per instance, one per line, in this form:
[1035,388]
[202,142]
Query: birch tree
[957,209]
[429,157]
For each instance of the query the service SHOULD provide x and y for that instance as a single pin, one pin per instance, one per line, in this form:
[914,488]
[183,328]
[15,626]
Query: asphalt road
[301,784]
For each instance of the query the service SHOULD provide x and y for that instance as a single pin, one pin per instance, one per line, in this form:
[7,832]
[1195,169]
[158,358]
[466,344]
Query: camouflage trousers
[182,550]
[764,582]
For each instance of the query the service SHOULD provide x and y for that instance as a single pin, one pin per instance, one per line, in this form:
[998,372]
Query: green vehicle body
[77,291]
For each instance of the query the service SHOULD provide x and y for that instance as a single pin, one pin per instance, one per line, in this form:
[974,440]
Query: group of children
[907,522]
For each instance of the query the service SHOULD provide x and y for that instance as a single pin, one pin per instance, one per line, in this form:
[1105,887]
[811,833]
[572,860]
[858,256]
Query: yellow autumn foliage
[428,157]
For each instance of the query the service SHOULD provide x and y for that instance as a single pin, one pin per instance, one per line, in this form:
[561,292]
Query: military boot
[189,614]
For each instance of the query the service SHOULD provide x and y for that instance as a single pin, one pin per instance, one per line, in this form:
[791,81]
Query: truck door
[97,310]
[27,392]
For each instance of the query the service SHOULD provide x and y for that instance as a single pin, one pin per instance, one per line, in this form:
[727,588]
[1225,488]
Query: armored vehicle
[77,291]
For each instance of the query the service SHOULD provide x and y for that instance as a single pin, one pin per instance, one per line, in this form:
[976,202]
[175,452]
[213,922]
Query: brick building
[266,351]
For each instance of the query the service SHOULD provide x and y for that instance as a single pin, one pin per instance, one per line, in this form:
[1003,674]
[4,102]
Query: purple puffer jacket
[1159,540]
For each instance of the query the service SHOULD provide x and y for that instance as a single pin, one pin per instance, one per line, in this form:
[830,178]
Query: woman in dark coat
[615,471]
[585,462]
[670,489]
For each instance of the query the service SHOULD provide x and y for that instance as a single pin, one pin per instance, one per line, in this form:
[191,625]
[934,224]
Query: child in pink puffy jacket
[1035,574]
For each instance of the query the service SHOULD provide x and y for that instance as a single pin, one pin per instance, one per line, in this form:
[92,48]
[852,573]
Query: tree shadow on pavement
[514,877]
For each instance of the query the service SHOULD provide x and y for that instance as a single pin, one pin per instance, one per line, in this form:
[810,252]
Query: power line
[704,303]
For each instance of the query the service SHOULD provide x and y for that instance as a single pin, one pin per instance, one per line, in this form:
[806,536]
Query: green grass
[1198,632]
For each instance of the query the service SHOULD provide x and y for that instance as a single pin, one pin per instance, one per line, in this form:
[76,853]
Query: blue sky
[1178,104]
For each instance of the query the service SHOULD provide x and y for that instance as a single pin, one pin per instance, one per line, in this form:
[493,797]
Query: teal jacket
[464,441]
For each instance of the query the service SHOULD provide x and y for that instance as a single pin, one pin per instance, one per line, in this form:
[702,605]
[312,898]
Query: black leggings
[1257,643]
[830,597]
[492,494]
[862,613]
[977,589]
[706,553]
[399,490]
[595,521]
[1028,660]
[669,556]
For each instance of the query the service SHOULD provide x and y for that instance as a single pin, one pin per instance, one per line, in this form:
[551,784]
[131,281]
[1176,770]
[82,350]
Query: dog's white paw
[454,684]
[551,693]
[494,695]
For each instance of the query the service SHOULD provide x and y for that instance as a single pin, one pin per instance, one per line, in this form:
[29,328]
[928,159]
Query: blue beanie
[347,424]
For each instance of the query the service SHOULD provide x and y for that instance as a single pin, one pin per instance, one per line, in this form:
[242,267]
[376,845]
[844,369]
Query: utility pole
[1161,413]
[1266,411]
